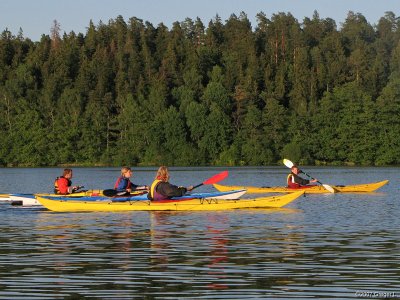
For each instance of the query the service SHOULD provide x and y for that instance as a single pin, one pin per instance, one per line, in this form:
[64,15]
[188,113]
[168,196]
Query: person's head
[67,173]
[162,174]
[126,172]
[294,169]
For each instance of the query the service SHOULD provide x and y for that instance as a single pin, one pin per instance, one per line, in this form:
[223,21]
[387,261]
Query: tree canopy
[130,93]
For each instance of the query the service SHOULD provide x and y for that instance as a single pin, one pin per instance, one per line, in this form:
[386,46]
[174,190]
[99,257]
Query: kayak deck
[316,189]
[233,194]
[208,204]
[30,199]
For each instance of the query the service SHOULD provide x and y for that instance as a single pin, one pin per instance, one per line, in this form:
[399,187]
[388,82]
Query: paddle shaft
[196,186]
[112,192]
[312,178]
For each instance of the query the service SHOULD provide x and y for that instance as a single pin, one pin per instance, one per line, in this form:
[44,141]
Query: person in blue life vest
[124,186]
[294,181]
[161,189]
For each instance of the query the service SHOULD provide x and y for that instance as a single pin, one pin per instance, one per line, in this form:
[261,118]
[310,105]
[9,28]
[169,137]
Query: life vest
[153,195]
[290,182]
[119,180]
[56,190]
[56,187]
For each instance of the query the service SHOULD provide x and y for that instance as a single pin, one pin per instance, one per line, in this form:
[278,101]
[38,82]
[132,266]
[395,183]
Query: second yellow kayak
[317,189]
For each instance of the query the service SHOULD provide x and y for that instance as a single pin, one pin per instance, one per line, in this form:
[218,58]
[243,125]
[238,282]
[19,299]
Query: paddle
[77,190]
[214,179]
[289,164]
[112,193]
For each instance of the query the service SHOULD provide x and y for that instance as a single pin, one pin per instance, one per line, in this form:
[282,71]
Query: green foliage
[128,93]
[295,151]
[388,106]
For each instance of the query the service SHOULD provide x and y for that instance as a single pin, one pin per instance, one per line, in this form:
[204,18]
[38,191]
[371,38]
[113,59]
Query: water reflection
[320,246]
[218,236]
[216,249]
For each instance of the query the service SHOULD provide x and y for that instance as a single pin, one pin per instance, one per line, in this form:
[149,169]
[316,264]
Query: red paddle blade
[216,178]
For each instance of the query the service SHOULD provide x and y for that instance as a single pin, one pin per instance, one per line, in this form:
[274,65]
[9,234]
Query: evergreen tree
[126,92]
[388,109]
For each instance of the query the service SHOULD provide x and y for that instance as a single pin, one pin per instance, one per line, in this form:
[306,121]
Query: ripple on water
[319,247]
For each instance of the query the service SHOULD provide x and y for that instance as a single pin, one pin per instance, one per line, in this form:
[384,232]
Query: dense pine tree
[234,93]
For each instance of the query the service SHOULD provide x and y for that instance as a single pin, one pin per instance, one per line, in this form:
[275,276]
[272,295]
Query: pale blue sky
[35,17]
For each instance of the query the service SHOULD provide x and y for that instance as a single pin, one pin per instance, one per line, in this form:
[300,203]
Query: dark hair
[67,171]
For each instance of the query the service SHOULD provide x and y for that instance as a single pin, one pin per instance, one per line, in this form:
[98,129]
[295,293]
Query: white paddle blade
[288,163]
[329,188]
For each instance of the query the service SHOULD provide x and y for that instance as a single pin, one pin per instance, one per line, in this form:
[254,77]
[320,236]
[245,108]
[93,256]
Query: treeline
[128,93]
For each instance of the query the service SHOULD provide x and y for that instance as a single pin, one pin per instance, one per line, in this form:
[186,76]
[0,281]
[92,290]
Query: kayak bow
[30,199]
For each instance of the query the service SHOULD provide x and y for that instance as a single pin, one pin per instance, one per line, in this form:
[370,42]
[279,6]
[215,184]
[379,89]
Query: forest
[226,93]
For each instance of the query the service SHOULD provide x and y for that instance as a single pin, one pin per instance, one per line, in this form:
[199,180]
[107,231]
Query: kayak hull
[316,189]
[206,204]
[5,198]
[31,199]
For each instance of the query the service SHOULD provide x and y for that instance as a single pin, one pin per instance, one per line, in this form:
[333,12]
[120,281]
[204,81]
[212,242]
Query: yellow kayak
[30,199]
[5,197]
[316,189]
[209,204]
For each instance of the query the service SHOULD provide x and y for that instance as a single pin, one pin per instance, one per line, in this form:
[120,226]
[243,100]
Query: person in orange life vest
[123,185]
[161,189]
[294,181]
[63,184]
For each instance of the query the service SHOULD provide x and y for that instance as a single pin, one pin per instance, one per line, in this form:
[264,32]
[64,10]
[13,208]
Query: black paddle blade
[110,193]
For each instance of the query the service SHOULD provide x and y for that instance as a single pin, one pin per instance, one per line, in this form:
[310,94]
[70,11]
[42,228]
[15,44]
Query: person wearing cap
[294,181]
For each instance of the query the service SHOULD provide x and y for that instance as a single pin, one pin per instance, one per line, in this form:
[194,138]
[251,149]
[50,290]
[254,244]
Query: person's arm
[169,190]
[300,180]
[72,189]
[135,187]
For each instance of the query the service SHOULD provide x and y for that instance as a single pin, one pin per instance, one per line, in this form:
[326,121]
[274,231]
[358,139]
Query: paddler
[161,189]
[294,181]
[124,186]
[63,184]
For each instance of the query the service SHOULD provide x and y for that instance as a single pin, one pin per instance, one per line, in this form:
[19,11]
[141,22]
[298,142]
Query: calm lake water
[320,246]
